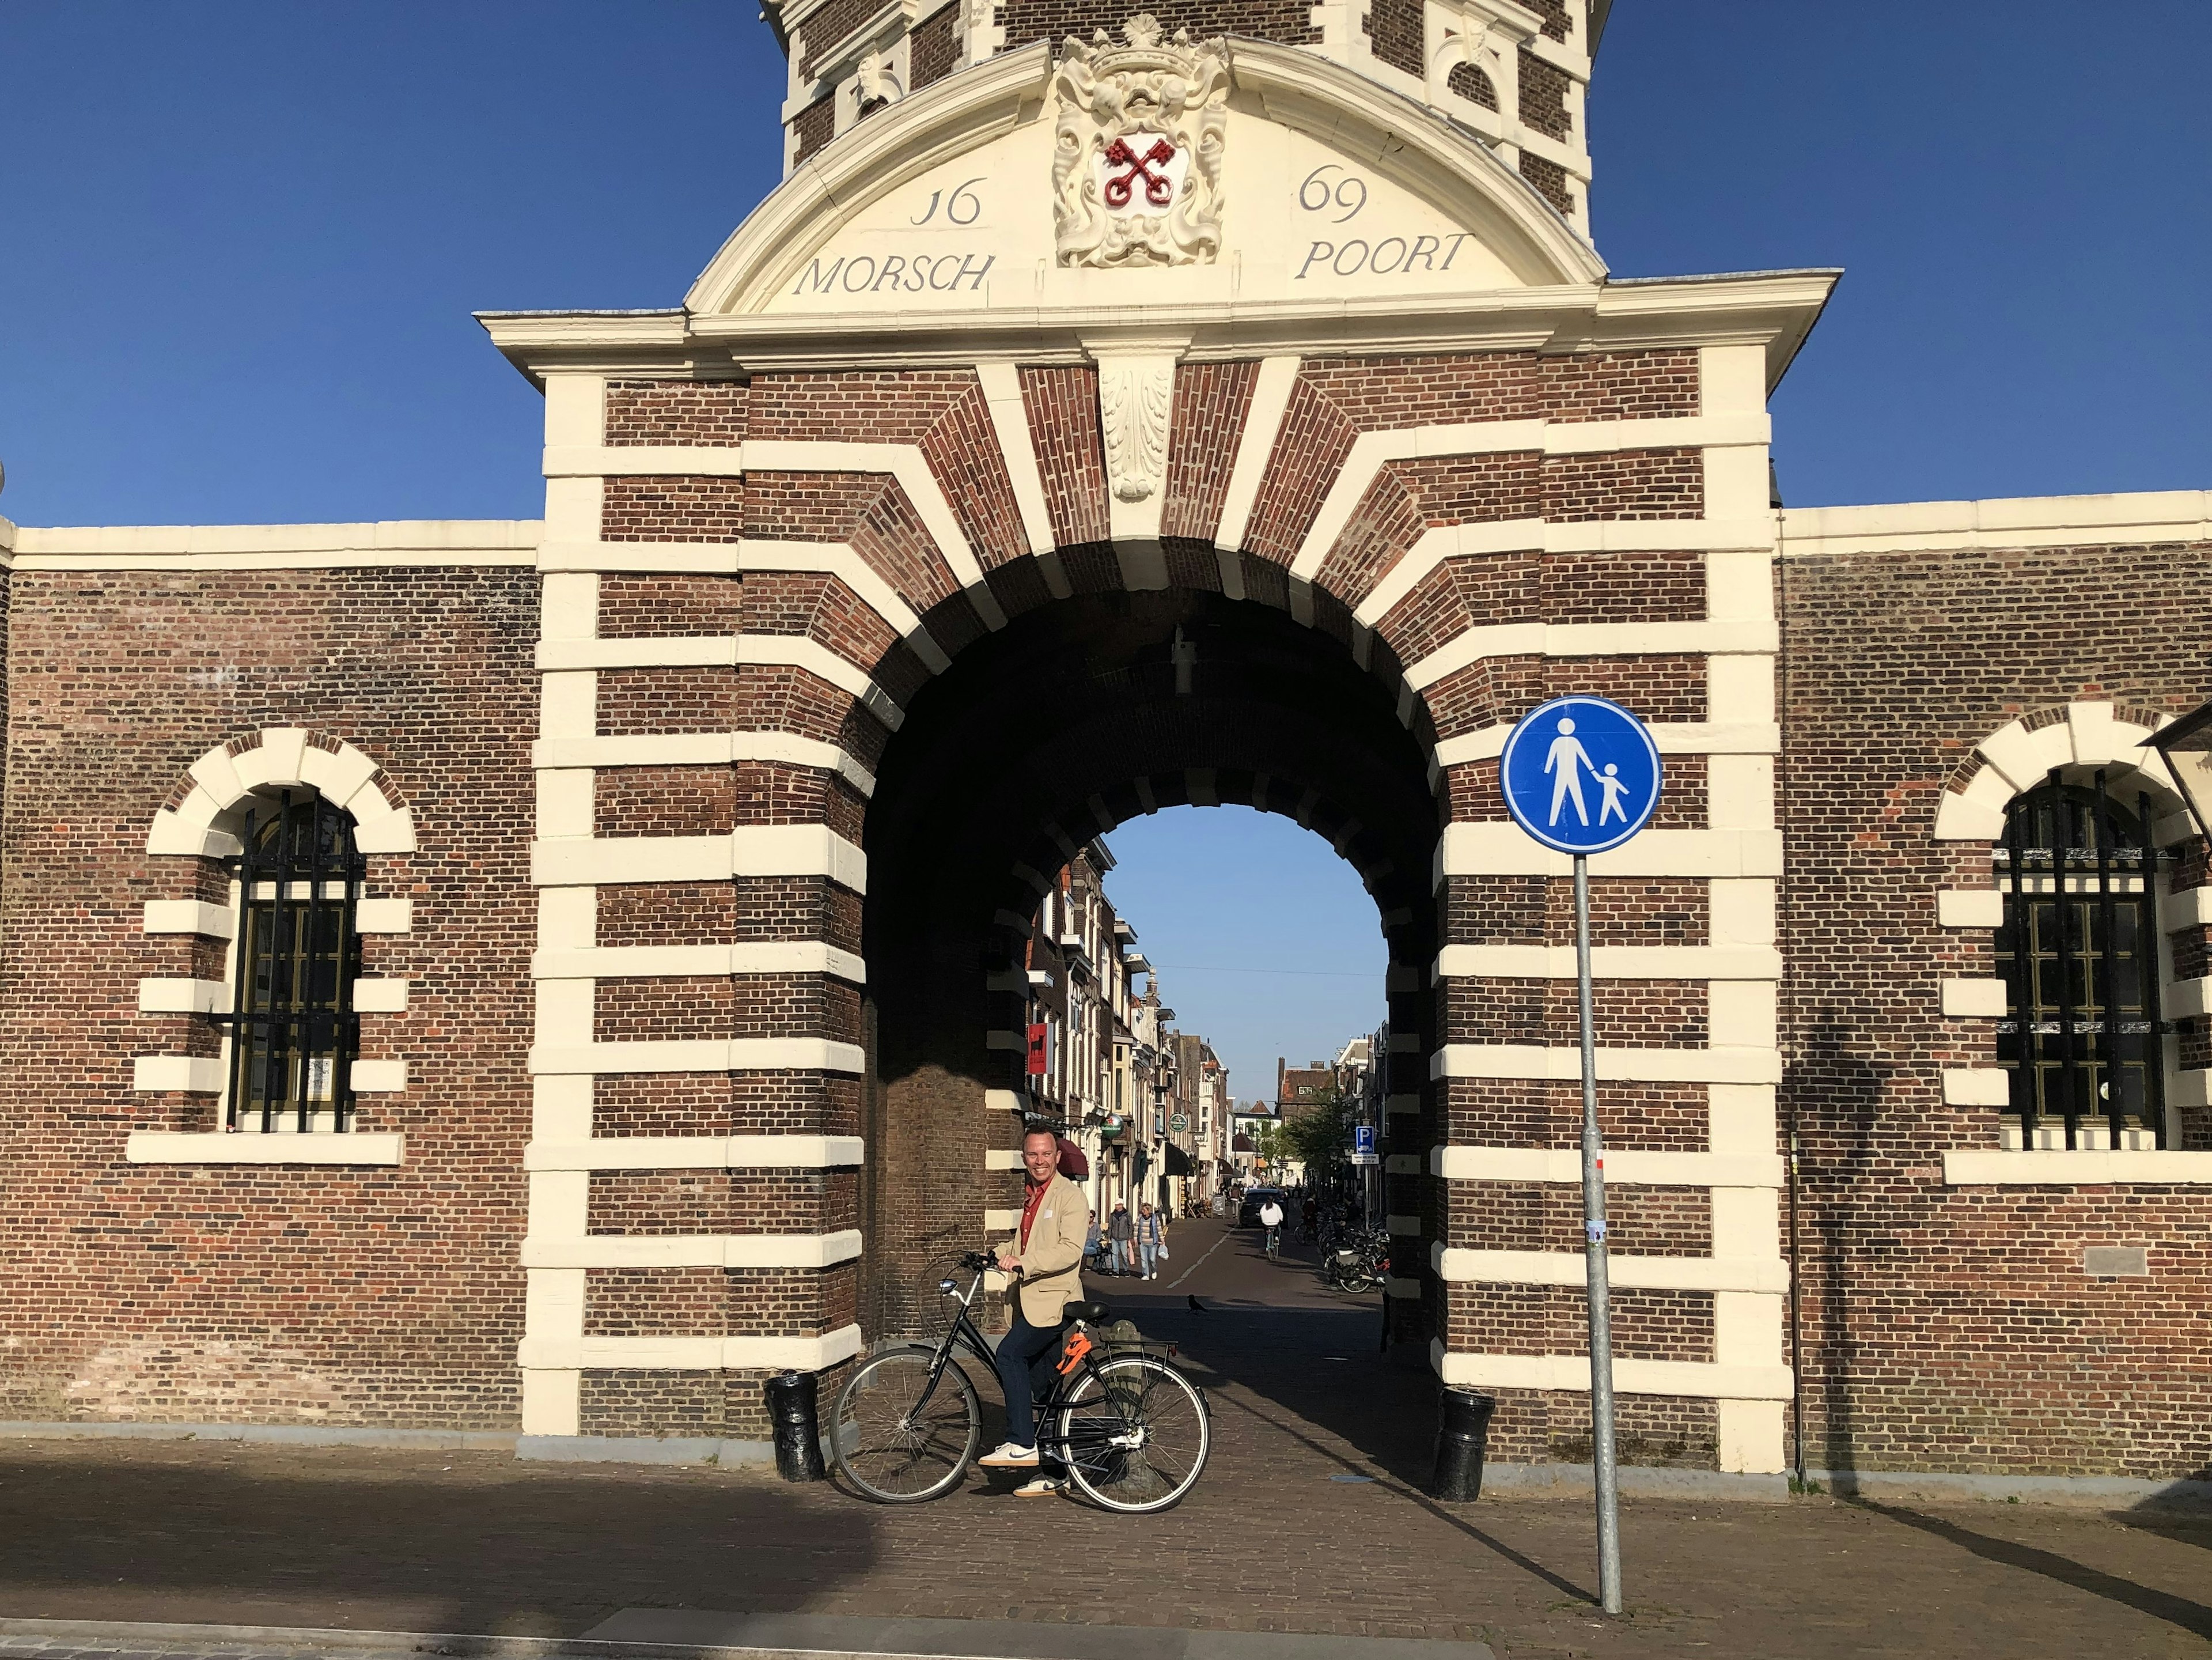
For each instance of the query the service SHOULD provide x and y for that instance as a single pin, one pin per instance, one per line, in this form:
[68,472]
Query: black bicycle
[1131,1431]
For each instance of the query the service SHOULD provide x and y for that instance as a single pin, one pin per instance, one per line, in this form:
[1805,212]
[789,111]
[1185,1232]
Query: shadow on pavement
[344,1539]
[2194,1617]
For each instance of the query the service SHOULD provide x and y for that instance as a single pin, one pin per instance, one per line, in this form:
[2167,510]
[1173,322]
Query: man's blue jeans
[1018,1353]
[1149,1253]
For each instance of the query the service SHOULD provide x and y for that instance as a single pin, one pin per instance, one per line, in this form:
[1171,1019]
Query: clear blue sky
[242,242]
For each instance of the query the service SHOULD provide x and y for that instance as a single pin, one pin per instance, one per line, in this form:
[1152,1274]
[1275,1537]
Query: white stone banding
[1538,1268]
[1697,1379]
[1489,640]
[1564,1166]
[647,1152]
[749,851]
[688,1353]
[1502,850]
[692,1250]
[1706,962]
[695,962]
[696,1055]
[1559,1064]
[1372,451]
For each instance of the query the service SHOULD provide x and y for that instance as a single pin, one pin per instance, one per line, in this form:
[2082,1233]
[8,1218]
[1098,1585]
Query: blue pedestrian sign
[1581,775]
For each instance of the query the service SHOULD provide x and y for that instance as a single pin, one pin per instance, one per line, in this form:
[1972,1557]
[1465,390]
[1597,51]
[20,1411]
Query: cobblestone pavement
[1309,1519]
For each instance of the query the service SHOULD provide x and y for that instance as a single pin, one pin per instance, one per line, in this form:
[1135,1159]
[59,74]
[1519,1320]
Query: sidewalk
[1309,1520]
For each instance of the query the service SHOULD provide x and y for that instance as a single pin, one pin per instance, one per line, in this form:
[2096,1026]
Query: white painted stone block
[1978,999]
[1970,908]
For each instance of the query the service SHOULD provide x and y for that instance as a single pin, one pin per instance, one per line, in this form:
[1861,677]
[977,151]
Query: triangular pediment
[1292,180]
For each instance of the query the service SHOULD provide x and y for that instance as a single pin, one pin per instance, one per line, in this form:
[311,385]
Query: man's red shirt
[1037,1191]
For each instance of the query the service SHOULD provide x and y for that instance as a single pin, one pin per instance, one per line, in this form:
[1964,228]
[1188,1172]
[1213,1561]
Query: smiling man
[1046,1258]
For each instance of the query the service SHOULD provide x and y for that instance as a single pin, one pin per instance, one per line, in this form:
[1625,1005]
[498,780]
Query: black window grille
[2079,954]
[293,1029]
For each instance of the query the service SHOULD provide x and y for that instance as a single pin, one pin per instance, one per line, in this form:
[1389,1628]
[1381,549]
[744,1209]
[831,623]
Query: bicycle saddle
[1090,1314]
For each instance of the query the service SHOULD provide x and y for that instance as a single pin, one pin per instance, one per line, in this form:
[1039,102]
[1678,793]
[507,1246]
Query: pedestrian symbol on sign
[1581,775]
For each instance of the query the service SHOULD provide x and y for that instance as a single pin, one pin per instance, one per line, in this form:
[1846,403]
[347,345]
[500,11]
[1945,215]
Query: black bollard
[1463,1434]
[797,1437]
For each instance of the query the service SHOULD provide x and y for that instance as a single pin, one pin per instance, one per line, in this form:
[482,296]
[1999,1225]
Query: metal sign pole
[1601,1298]
[1581,775]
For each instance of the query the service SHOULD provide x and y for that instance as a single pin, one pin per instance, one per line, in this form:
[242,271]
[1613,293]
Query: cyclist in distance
[1046,1258]
[1271,1217]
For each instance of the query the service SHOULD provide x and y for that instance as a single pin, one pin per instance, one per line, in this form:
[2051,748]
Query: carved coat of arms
[1136,164]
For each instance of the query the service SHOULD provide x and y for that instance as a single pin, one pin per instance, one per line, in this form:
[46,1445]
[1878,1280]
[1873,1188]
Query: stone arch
[213,787]
[2021,753]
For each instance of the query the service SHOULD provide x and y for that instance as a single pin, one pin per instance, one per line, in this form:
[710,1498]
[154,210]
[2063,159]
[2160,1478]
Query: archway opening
[1077,717]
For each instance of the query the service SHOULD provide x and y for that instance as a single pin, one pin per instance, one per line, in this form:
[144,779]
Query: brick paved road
[1272,1539]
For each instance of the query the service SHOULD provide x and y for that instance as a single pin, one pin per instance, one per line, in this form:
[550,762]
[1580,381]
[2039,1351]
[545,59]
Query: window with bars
[293,1033]
[2079,955]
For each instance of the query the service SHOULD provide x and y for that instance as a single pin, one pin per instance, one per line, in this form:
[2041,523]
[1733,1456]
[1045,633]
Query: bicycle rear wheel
[1134,1434]
[892,1446]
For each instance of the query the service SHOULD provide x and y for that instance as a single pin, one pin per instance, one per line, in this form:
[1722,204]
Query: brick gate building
[544,977]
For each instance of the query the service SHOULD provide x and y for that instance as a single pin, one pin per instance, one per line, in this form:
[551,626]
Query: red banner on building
[1037,1040]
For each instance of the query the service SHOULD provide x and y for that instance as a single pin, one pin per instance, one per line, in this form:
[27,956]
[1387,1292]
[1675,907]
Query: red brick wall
[273,1294]
[1394,27]
[935,51]
[1287,20]
[1953,1328]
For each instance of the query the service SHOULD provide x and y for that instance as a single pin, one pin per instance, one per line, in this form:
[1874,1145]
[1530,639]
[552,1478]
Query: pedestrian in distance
[1152,1239]
[1093,1245]
[1122,1233]
[1045,1256]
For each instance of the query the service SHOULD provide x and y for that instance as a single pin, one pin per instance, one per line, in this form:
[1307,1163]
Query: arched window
[2078,951]
[294,1033]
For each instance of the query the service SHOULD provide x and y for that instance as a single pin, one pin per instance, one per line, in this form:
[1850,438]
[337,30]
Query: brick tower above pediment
[1512,72]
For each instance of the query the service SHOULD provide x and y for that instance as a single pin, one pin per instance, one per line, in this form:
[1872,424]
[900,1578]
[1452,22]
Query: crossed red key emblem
[1159,190]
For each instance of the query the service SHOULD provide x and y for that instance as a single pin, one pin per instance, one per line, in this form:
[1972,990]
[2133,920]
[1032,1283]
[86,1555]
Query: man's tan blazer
[1052,1266]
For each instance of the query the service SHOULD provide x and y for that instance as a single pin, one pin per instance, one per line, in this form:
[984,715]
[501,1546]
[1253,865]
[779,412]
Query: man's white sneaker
[1042,1487]
[1008,1457]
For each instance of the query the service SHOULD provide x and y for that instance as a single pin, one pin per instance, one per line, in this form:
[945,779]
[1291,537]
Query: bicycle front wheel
[896,1447]
[1136,1434]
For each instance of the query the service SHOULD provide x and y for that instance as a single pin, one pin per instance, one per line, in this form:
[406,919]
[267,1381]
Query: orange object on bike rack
[1078,1345]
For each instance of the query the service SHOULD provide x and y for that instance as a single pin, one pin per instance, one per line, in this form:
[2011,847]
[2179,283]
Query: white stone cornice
[2128,520]
[391,543]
